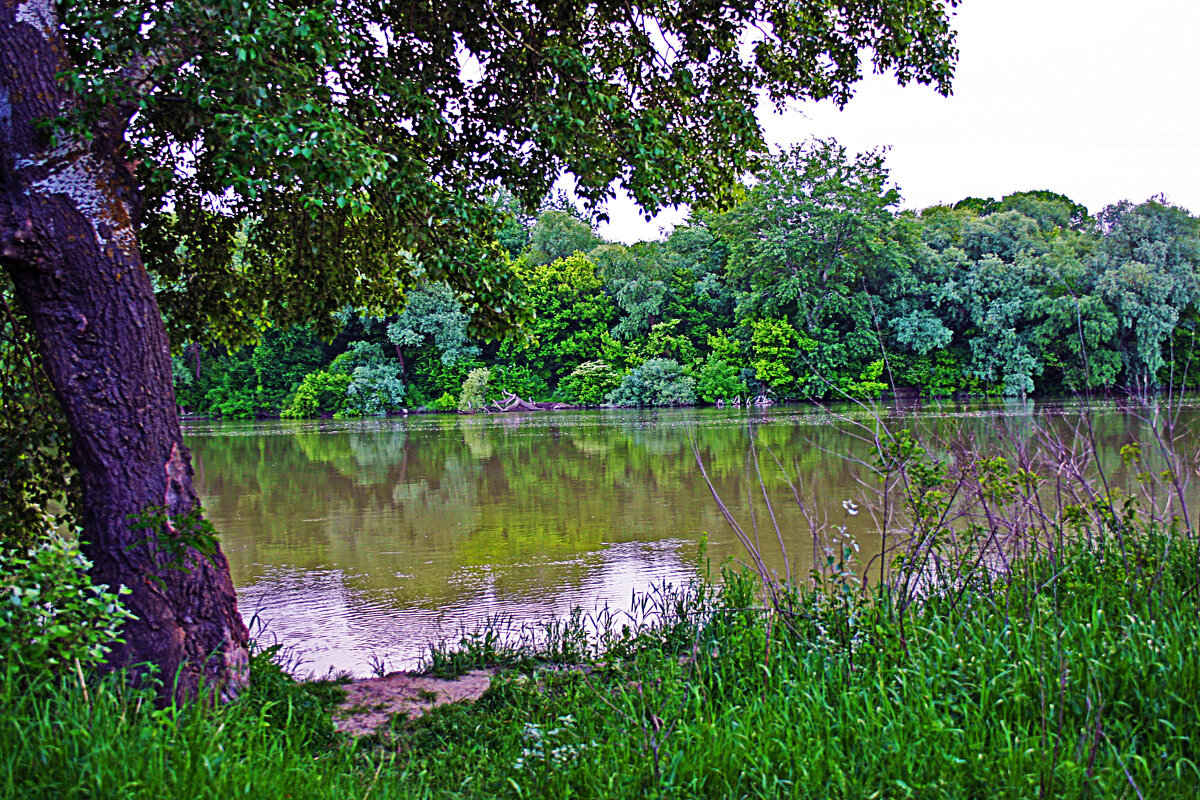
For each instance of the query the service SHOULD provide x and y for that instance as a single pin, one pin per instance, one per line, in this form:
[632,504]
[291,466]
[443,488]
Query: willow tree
[280,160]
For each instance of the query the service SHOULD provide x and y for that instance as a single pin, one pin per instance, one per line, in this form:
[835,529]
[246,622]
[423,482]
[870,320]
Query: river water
[358,542]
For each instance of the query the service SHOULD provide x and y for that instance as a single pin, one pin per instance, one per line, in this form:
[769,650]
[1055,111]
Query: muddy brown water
[357,542]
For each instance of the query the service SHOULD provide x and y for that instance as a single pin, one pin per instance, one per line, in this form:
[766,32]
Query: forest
[815,285]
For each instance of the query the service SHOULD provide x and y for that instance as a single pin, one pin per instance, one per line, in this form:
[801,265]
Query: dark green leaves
[349,141]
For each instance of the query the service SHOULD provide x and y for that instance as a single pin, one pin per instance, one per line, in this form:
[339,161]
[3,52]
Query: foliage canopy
[296,158]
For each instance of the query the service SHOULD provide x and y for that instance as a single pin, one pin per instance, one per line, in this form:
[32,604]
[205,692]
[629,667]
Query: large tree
[283,159]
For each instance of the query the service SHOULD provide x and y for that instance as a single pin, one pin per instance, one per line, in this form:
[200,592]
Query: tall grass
[69,737]
[1032,632]
[1075,680]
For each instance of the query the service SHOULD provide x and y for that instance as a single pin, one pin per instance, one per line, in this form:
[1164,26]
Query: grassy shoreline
[1072,678]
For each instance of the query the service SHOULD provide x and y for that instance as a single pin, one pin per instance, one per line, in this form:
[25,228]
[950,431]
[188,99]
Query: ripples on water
[357,541]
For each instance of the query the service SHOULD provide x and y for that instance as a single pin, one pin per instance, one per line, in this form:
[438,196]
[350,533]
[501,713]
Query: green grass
[1076,679]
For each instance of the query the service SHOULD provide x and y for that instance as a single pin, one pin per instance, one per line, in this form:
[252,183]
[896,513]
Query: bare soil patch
[372,702]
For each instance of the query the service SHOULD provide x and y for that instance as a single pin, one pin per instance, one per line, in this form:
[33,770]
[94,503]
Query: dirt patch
[372,702]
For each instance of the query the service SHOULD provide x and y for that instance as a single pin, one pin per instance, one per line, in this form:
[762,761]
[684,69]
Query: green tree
[699,294]
[999,298]
[994,291]
[231,385]
[616,263]
[1146,268]
[572,318]
[513,232]
[922,331]
[319,393]
[981,206]
[281,359]
[717,379]
[1050,209]
[558,234]
[774,346]
[803,247]
[641,302]
[432,314]
[815,221]
[1077,334]
[473,396]
[260,95]
[376,386]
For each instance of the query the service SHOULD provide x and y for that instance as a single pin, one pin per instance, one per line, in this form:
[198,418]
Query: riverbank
[1069,678]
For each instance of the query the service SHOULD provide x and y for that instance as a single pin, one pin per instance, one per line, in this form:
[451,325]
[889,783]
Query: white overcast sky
[1098,100]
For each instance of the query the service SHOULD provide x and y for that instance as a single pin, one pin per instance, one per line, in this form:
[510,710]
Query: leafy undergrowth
[1071,679]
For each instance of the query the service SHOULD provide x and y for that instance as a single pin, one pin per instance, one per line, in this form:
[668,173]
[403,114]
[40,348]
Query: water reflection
[358,539]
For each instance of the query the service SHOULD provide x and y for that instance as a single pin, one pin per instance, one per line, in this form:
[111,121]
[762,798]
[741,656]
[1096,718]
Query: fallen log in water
[514,402]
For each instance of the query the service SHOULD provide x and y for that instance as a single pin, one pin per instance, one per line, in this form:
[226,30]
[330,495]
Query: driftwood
[513,402]
[761,401]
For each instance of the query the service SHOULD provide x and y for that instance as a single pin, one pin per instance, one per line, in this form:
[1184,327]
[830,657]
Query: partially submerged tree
[339,149]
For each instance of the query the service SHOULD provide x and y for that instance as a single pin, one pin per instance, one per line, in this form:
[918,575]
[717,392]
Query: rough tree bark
[68,240]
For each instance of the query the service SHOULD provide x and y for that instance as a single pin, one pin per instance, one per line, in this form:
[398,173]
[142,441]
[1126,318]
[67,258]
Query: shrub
[472,397]
[228,386]
[447,402]
[775,345]
[374,391]
[358,354]
[51,614]
[868,384]
[719,380]
[658,382]
[239,404]
[375,386]
[280,361]
[590,382]
[319,393]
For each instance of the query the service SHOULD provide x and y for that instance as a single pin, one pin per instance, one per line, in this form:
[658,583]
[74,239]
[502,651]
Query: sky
[1098,100]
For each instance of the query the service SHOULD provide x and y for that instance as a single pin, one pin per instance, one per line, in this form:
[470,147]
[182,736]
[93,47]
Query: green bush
[472,398]
[228,385]
[374,391]
[868,385]
[590,382]
[239,404]
[658,382]
[319,393]
[447,402]
[429,373]
[281,359]
[51,614]
[775,344]
[719,380]
[375,387]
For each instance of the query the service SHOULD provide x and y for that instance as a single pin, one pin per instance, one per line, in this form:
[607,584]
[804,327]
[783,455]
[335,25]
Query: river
[357,542]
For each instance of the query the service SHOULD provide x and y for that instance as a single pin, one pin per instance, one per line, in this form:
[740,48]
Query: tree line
[813,286]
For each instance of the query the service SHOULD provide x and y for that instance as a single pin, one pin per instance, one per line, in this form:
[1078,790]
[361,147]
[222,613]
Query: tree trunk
[68,239]
[400,358]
